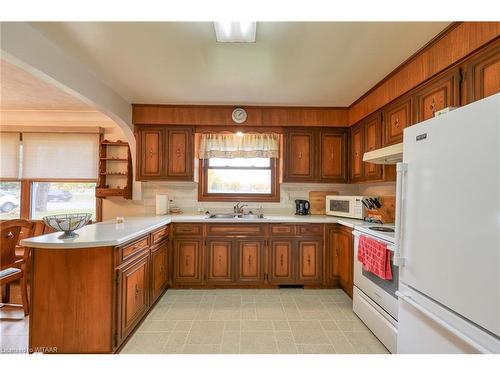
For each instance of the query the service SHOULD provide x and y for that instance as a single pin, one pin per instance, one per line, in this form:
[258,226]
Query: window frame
[205,196]
[26,189]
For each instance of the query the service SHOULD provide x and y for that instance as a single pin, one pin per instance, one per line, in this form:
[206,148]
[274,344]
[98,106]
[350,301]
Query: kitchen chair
[12,268]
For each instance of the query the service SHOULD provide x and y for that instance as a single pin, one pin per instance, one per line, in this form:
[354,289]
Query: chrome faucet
[238,208]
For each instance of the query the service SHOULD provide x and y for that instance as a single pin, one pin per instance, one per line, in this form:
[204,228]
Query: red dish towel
[375,257]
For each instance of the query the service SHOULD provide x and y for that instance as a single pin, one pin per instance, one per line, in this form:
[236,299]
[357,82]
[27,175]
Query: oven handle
[442,323]
[399,259]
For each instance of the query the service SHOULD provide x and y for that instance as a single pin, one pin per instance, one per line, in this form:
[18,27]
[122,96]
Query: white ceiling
[317,64]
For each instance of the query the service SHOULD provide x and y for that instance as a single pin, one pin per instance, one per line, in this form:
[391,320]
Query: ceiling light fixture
[235,32]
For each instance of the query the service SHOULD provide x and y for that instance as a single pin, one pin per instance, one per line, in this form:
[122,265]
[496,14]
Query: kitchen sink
[233,216]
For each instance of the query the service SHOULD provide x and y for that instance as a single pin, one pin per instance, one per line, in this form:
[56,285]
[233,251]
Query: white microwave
[346,206]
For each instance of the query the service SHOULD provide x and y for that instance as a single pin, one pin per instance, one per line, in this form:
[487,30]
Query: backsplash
[185,196]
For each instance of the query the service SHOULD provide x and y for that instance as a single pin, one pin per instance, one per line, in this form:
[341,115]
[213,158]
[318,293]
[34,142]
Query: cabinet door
[332,256]
[188,261]
[133,294]
[483,74]
[180,154]
[345,260]
[219,261]
[373,141]
[250,260]
[333,166]
[310,253]
[396,117]
[151,146]
[281,262]
[159,275]
[299,156]
[357,149]
[440,93]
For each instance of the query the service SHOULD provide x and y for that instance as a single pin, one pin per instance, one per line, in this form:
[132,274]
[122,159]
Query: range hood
[387,155]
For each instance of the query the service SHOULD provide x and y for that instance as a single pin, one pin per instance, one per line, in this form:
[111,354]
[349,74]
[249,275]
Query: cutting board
[317,199]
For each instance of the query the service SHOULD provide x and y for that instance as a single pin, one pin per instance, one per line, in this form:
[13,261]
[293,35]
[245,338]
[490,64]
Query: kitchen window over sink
[239,167]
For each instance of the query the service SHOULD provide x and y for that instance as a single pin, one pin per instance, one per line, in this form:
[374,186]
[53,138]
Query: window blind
[9,155]
[54,155]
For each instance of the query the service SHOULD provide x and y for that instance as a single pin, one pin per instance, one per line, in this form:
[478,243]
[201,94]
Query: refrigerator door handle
[399,259]
[442,323]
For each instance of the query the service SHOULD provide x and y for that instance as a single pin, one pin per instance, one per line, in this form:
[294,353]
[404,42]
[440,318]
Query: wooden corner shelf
[122,167]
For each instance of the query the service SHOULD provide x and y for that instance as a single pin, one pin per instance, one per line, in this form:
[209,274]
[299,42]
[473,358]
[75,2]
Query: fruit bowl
[67,223]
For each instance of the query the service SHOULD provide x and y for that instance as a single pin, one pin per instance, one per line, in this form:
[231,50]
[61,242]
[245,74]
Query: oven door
[382,292]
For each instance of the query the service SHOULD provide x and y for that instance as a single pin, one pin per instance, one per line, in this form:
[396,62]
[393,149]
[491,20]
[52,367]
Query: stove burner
[382,229]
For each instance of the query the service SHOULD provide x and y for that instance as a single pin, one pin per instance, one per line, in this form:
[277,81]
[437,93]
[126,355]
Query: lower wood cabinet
[250,261]
[188,258]
[281,264]
[340,258]
[219,261]
[309,259]
[159,273]
[133,294]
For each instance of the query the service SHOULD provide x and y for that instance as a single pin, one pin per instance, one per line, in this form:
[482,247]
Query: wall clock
[239,115]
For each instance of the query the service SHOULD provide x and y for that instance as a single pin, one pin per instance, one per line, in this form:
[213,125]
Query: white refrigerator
[448,232]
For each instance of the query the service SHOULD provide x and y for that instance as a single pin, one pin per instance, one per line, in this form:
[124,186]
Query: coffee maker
[301,207]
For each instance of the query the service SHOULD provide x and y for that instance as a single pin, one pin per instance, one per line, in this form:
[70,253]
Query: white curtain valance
[239,146]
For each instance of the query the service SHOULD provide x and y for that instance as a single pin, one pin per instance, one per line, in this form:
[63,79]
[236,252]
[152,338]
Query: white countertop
[109,233]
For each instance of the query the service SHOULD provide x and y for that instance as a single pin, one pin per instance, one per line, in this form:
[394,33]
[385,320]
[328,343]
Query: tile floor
[253,321]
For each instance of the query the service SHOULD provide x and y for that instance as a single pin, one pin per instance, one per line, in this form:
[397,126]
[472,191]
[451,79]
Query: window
[250,179]
[51,198]
[10,200]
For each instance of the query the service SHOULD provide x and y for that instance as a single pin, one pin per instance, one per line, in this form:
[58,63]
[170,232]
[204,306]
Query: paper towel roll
[161,204]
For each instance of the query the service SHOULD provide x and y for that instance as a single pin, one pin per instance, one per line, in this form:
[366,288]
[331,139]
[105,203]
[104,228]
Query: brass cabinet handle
[397,122]
[178,153]
[308,260]
[249,260]
[300,155]
[281,260]
[187,260]
[220,259]
[137,291]
[151,153]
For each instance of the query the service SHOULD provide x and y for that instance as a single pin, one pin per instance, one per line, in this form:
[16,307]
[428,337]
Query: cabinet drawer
[282,230]
[188,229]
[310,230]
[235,229]
[159,235]
[133,248]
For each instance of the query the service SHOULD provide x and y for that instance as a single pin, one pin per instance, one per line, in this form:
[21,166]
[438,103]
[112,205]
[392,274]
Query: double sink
[235,216]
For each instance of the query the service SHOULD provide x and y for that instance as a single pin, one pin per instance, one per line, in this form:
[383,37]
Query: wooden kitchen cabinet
[133,294]
[309,257]
[344,252]
[250,261]
[180,154]
[373,141]
[188,258]
[150,152]
[159,273]
[299,155]
[357,150]
[281,253]
[165,153]
[332,156]
[483,74]
[436,95]
[219,261]
[396,117]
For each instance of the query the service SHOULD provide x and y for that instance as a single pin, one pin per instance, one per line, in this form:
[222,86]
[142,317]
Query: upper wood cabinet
[299,155]
[483,74]
[315,155]
[373,141]
[439,93]
[164,153]
[357,150]
[396,117]
[333,156]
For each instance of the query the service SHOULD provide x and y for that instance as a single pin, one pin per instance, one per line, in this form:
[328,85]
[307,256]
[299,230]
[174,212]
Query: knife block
[387,212]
